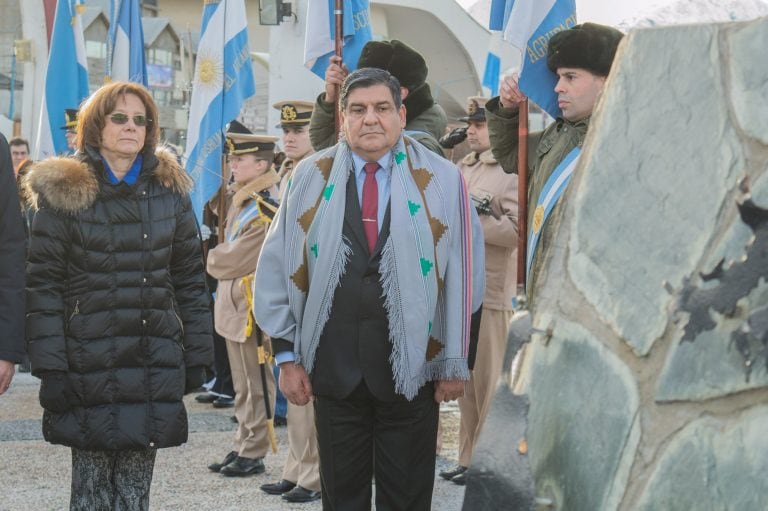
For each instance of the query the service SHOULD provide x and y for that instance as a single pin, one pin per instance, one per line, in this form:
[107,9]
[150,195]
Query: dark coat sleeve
[12,255]
[46,275]
[502,131]
[321,125]
[192,298]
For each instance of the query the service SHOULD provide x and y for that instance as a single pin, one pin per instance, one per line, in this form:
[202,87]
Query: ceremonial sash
[244,219]
[547,200]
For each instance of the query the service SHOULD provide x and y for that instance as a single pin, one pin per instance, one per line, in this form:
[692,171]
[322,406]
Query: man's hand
[448,390]
[334,76]
[509,91]
[294,383]
[6,375]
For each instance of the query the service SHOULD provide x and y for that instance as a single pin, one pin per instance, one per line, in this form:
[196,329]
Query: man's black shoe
[460,479]
[206,398]
[224,402]
[278,488]
[448,475]
[242,467]
[301,494]
[229,458]
[279,420]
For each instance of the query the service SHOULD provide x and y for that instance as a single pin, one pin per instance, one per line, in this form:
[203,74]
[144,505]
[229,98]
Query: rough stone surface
[625,179]
[750,87]
[713,464]
[578,385]
[646,369]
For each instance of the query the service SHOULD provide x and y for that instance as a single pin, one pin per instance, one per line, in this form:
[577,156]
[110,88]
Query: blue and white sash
[243,220]
[548,198]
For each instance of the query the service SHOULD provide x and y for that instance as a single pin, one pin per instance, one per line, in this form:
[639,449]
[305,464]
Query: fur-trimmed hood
[70,184]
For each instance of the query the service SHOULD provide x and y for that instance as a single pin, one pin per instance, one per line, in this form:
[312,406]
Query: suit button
[367,280]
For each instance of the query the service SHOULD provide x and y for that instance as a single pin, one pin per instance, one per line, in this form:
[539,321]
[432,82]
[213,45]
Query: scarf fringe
[334,279]
[398,358]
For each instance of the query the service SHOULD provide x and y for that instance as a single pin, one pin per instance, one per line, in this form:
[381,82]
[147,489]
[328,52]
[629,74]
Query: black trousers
[361,437]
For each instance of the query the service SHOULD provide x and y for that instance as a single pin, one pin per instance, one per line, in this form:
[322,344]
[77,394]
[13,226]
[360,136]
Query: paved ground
[35,475]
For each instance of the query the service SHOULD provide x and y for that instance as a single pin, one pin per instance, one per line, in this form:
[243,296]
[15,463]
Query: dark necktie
[370,205]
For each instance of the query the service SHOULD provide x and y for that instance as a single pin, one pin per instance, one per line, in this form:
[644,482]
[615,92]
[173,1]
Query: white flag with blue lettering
[223,81]
[528,25]
[319,45]
[66,78]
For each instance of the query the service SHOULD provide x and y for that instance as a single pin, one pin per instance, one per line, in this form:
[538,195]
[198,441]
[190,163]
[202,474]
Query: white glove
[205,232]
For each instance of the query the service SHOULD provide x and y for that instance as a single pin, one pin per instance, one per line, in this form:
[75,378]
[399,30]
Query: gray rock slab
[747,45]
[710,366]
[713,465]
[582,424]
[644,207]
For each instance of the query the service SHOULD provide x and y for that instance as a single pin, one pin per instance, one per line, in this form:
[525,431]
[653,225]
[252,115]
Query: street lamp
[272,12]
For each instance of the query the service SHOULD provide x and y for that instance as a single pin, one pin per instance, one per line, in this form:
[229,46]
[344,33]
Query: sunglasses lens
[119,118]
[138,120]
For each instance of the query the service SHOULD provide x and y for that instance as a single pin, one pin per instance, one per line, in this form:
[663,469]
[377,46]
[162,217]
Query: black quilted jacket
[116,298]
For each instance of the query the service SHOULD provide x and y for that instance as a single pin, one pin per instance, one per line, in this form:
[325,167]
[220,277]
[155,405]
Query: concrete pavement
[36,475]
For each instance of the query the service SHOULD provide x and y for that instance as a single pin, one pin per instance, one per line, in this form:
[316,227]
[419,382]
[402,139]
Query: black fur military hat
[587,46]
[405,63]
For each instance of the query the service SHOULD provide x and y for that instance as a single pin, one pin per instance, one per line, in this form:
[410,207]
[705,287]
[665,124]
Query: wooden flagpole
[338,13]
[522,196]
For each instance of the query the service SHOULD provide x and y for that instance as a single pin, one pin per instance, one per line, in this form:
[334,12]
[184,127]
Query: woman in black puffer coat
[118,317]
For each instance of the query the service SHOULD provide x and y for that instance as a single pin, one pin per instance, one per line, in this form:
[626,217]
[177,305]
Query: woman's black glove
[194,379]
[56,393]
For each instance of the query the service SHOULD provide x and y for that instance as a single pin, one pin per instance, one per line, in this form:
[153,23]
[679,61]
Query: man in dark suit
[12,256]
[365,246]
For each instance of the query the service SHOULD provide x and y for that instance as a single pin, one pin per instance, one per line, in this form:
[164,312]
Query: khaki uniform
[546,149]
[302,466]
[488,184]
[229,263]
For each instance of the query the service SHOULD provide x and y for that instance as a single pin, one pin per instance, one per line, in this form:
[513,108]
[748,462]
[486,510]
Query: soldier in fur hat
[232,263]
[581,57]
[425,119]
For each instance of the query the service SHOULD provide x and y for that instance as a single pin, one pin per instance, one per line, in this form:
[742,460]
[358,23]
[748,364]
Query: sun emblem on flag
[209,70]
[538,219]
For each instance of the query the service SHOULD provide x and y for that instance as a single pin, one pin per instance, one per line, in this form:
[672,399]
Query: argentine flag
[319,45]
[126,60]
[66,78]
[223,81]
[528,25]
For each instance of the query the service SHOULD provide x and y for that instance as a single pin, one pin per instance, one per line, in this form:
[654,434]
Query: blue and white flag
[319,42]
[66,78]
[223,81]
[126,60]
[528,25]
[492,72]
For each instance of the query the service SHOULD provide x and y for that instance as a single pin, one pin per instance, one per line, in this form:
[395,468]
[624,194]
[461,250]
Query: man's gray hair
[368,77]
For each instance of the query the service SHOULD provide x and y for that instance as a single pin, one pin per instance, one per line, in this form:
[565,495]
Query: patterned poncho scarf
[431,268]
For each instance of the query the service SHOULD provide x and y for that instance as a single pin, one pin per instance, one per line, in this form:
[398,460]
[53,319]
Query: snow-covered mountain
[677,12]
[699,11]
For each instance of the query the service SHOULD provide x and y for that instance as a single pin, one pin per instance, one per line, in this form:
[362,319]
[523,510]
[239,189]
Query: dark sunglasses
[138,120]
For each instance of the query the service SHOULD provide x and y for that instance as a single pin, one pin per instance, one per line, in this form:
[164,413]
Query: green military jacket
[546,149]
[427,128]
